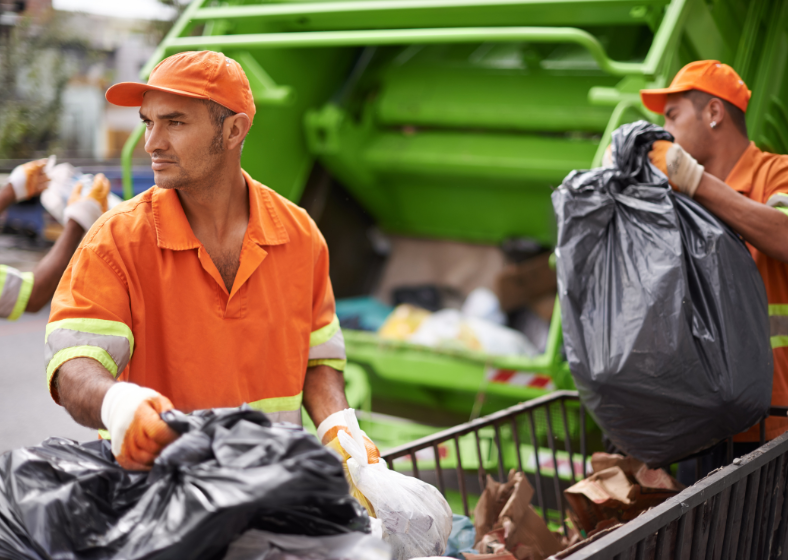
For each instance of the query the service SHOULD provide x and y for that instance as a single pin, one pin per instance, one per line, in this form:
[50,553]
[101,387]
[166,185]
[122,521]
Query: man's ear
[236,127]
[716,111]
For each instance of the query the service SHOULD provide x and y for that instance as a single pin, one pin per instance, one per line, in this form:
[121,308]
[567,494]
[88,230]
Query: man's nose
[155,139]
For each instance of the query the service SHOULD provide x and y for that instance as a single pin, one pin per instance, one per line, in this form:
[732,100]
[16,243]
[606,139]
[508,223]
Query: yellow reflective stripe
[278,404]
[98,354]
[338,365]
[324,334]
[779,341]
[24,296]
[94,326]
[778,309]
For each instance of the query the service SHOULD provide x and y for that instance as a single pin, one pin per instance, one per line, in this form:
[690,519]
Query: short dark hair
[700,99]
[218,113]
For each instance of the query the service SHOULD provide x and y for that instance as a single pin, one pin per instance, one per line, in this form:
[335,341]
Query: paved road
[28,415]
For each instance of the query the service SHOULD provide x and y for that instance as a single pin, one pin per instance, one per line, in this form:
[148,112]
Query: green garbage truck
[453,120]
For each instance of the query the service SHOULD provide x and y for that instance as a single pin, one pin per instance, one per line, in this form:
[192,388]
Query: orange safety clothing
[763,177]
[143,298]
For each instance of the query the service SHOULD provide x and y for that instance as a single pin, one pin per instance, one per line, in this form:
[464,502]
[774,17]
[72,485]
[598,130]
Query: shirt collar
[174,232]
[740,177]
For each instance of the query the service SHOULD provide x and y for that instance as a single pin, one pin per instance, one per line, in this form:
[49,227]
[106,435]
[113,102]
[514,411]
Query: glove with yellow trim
[682,170]
[30,179]
[86,209]
[328,432]
[131,414]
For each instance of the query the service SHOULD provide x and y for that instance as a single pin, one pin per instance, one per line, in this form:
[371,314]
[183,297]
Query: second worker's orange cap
[710,76]
[198,74]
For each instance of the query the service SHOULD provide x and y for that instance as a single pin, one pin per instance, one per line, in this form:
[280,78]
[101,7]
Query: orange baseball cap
[202,75]
[710,76]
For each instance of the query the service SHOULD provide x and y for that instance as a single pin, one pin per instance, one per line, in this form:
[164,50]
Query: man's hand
[132,415]
[29,179]
[681,169]
[85,210]
[328,430]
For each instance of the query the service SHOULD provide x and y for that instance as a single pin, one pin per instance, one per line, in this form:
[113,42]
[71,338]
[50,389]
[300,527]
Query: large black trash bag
[230,472]
[664,312]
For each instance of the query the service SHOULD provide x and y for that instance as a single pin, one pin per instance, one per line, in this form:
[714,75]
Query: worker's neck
[726,155]
[219,207]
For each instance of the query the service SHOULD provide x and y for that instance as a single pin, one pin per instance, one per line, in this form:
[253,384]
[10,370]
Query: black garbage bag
[664,312]
[230,472]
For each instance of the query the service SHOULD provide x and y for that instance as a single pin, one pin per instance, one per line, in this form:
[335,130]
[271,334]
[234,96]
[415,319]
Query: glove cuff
[118,408]
[333,421]
[85,212]
[683,170]
[19,180]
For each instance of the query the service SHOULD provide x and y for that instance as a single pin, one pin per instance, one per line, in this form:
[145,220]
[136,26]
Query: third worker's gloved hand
[131,414]
[29,179]
[85,210]
[681,169]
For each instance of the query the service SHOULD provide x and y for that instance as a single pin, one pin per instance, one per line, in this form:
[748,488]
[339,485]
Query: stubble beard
[202,178]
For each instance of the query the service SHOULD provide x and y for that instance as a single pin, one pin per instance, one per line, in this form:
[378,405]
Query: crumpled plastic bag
[416,518]
[232,471]
[665,317]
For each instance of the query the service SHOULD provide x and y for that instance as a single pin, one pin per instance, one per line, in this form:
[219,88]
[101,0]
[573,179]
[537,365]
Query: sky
[136,9]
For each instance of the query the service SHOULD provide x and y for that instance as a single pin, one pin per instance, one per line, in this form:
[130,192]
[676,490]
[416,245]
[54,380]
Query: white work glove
[31,179]
[682,170]
[85,210]
[131,414]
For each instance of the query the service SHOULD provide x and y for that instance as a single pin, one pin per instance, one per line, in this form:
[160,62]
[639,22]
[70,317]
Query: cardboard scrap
[506,522]
[620,489]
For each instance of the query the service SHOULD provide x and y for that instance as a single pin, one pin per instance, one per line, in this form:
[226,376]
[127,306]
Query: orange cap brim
[129,94]
[655,99]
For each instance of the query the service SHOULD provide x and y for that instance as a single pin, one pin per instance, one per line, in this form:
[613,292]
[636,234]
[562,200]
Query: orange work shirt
[143,298]
[763,177]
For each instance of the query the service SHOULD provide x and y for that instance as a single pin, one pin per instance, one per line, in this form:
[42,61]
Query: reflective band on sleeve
[98,354]
[779,200]
[15,290]
[109,342]
[338,365]
[327,343]
[778,325]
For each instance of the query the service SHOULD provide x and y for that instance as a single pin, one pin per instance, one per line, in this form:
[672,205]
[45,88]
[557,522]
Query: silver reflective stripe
[292,416]
[333,349]
[778,324]
[779,200]
[116,346]
[10,293]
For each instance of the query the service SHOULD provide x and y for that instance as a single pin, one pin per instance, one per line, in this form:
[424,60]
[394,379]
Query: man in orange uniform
[713,161]
[208,290]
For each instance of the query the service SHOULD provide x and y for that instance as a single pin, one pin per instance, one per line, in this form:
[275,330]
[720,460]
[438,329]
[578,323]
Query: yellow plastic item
[403,322]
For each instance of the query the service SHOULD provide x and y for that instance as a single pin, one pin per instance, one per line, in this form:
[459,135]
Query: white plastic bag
[415,516]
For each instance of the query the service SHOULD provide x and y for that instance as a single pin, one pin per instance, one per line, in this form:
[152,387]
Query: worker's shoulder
[132,216]
[295,219]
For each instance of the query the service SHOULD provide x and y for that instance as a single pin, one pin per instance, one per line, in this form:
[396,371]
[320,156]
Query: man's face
[180,138]
[687,126]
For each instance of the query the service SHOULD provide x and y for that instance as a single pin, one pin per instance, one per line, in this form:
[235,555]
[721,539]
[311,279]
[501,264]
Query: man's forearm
[81,384]
[7,196]
[763,227]
[48,272]
[324,392]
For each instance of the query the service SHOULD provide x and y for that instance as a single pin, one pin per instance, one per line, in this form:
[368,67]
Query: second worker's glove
[86,209]
[131,414]
[682,170]
[30,179]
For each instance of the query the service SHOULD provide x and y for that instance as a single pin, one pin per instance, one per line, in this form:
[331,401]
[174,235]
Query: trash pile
[507,310]
[230,472]
[655,292]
